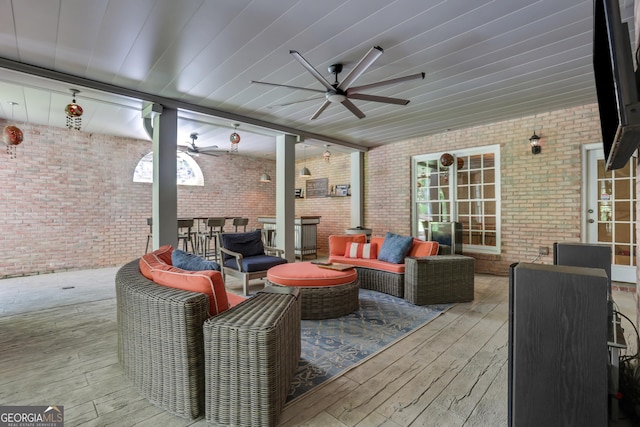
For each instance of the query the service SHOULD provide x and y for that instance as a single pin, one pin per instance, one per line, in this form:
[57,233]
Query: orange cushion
[378,240]
[235,299]
[208,282]
[306,274]
[421,248]
[361,250]
[159,257]
[338,242]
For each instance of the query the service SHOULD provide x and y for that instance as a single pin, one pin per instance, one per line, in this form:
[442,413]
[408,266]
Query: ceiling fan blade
[362,66]
[321,109]
[418,76]
[375,98]
[310,69]
[295,102]
[355,110]
[287,86]
[205,149]
[210,153]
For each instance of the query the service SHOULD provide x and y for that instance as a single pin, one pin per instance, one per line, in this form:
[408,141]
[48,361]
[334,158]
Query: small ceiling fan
[193,150]
[343,92]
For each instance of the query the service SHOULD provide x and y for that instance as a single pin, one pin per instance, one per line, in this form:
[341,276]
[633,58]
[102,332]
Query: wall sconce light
[265,177]
[535,143]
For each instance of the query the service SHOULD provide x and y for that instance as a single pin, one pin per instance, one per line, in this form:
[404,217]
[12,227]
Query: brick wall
[335,211]
[540,194]
[69,200]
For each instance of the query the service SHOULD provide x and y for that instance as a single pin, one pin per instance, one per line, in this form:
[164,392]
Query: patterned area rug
[331,346]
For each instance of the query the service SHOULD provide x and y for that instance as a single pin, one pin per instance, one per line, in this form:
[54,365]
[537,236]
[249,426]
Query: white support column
[357,189]
[165,191]
[285,195]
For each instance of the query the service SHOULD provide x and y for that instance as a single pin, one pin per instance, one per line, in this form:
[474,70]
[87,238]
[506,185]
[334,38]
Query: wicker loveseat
[428,267]
[234,367]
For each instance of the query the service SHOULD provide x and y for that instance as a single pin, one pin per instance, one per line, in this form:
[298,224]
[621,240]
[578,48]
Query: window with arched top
[188,173]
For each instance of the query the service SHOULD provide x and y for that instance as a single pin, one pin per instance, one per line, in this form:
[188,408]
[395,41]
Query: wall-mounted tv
[616,84]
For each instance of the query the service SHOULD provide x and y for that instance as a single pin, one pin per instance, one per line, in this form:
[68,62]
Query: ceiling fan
[193,150]
[343,92]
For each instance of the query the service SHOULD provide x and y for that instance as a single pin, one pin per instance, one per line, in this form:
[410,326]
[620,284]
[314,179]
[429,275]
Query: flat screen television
[616,84]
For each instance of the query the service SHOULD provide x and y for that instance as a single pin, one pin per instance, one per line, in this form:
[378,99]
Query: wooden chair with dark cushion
[243,255]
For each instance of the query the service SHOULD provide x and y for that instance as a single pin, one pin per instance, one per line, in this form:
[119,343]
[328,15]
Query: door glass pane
[616,212]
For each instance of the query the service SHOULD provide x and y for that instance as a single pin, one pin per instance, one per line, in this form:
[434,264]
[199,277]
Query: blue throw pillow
[395,248]
[191,262]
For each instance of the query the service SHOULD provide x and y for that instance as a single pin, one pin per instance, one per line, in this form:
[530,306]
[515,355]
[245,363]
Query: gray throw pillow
[191,262]
[395,248]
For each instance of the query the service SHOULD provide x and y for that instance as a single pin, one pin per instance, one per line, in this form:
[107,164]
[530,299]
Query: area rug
[331,346]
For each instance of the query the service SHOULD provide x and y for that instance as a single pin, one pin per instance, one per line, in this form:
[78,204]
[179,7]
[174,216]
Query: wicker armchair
[189,364]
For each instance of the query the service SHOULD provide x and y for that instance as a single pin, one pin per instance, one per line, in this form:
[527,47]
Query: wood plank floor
[450,372]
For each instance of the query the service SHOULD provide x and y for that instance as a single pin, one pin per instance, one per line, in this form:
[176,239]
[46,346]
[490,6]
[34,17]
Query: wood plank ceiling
[484,61]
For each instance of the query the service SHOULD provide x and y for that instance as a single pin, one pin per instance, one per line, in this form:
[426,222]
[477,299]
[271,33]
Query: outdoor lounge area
[58,347]
[293,213]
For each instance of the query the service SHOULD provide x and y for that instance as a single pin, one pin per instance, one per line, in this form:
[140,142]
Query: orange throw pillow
[208,282]
[155,259]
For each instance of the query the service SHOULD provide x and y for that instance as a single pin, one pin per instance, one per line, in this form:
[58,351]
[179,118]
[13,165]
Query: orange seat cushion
[159,257]
[338,242]
[235,299]
[420,248]
[303,274]
[208,282]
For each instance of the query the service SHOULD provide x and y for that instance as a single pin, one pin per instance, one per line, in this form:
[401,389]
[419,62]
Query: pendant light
[305,172]
[74,112]
[12,135]
[265,177]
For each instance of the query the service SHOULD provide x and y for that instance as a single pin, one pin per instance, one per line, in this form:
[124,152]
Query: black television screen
[616,85]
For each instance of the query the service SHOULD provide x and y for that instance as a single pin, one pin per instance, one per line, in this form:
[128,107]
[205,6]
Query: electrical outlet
[543,250]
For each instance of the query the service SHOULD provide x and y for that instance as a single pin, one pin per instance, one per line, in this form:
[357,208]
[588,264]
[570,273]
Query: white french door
[610,214]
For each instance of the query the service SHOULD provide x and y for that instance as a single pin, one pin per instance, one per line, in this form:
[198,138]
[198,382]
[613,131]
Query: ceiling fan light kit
[342,92]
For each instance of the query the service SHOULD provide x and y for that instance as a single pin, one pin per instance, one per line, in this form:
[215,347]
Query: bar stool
[150,234]
[216,226]
[185,234]
[269,237]
[240,222]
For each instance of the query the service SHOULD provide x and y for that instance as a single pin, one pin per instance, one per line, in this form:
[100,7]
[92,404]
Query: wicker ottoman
[439,279]
[324,293]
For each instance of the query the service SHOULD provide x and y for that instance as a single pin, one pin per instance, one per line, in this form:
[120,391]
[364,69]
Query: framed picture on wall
[317,187]
[342,189]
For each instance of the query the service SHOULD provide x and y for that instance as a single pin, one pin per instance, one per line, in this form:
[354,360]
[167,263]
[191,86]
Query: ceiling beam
[169,102]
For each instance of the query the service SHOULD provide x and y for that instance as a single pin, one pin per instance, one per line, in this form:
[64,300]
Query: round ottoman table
[324,293]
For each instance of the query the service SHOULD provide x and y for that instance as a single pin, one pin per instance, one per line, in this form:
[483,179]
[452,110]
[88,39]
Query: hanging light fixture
[265,177]
[327,153]
[12,135]
[74,112]
[235,139]
[305,172]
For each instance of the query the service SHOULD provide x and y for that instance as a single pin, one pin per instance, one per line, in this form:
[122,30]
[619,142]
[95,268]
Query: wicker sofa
[235,367]
[428,267]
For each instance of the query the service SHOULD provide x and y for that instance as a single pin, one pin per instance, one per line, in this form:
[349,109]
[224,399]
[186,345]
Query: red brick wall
[335,211]
[68,200]
[540,194]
